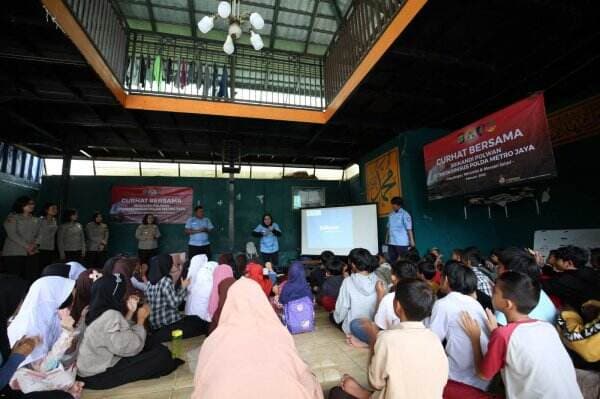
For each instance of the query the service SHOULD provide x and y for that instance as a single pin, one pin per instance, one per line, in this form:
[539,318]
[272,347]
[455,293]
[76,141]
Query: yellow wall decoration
[382,176]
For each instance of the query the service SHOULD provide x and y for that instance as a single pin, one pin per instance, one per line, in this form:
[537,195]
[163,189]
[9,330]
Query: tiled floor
[325,351]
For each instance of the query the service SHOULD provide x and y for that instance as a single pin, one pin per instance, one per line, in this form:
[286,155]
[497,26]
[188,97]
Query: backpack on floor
[299,315]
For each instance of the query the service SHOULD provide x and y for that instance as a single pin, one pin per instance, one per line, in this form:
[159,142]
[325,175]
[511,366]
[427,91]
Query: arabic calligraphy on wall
[382,176]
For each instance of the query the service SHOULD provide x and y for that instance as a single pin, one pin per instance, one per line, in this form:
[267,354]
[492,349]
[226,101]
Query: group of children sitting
[434,329]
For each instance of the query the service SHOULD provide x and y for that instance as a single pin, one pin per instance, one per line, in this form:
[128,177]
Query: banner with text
[509,146]
[171,205]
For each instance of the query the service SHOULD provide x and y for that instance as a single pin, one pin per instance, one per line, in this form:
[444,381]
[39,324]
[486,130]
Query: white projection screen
[339,229]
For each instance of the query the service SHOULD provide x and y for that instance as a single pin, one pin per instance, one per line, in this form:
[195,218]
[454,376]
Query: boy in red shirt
[528,352]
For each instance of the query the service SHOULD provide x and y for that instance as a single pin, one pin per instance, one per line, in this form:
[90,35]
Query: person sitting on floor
[385,317]
[296,286]
[111,353]
[12,292]
[255,272]
[357,298]
[520,260]
[460,283]
[201,273]
[83,292]
[384,270]
[329,291]
[44,308]
[408,359]
[222,280]
[574,283]
[252,339]
[426,271]
[318,274]
[580,332]
[528,352]
[165,294]
[70,270]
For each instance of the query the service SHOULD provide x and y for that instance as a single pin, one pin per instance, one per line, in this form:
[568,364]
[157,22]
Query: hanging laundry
[169,71]
[214,82]
[223,89]
[192,73]
[128,74]
[142,81]
[207,80]
[157,71]
[135,75]
[182,74]
[149,68]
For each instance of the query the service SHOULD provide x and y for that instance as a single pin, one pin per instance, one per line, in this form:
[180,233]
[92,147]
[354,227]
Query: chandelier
[230,11]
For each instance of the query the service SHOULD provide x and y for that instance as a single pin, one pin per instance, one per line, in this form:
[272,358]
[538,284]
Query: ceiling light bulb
[256,41]
[206,24]
[235,30]
[257,21]
[228,46]
[224,9]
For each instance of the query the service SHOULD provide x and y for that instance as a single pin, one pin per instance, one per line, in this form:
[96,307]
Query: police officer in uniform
[70,239]
[96,234]
[20,250]
[147,235]
[47,236]
[198,227]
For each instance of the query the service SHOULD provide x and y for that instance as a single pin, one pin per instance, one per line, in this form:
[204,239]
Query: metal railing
[364,23]
[105,29]
[184,67]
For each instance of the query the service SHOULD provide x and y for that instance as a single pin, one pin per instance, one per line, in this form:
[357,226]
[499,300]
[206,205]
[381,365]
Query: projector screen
[339,229]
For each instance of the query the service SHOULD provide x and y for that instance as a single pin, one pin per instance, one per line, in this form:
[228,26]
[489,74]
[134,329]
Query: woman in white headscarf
[201,273]
[38,315]
[70,270]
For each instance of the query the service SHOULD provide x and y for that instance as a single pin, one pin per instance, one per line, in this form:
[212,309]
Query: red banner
[507,147]
[171,205]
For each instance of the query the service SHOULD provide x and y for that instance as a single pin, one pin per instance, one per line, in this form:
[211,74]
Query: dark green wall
[574,200]
[88,193]
[10,190]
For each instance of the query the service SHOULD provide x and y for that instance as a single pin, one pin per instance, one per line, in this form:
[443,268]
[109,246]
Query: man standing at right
[400,234]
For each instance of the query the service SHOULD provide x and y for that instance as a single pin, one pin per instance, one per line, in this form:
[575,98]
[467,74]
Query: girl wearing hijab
[254,272]
[111,353]
[201,272]
[83,292]
[38,315]
[296,286]
[70,270]
[247,318]
[12,292]
[124,266]
[269,244]
[165,298]
[222,280]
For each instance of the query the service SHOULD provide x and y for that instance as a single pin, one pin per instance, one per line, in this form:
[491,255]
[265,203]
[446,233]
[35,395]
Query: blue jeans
[356,328]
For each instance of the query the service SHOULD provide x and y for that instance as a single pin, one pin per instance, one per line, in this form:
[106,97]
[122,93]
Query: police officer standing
[96,234]
[400,234]
[20,250]
[70,239]
[47,236]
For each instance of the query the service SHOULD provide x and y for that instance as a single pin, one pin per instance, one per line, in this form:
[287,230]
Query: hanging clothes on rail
[135,75]
[192,74]
[157,72]
[142,81]
[223,84]
[215,78]
[207,81]
[183,74]
[128,74]
[149,68]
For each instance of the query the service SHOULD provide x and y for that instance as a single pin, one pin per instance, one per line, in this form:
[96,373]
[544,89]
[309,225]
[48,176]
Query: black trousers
[192,326]
[194,250]
[73,256]
[145,254]
[10,394]
[26,267]
[152,363]
[394,251]
[338,393]
[272,257]
[46,258]
[95,259]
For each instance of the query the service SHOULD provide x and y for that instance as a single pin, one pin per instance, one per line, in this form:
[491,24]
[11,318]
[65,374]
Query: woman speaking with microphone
[269,244]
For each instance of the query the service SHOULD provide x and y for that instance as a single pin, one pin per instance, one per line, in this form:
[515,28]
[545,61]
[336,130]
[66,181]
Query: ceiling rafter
[151,15]
[192,18]
[312,24]
[274,24]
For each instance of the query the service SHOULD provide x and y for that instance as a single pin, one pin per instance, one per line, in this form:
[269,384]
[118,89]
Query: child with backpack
[297,300]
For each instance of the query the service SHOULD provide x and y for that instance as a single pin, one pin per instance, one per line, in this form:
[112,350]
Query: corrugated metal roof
[293,19]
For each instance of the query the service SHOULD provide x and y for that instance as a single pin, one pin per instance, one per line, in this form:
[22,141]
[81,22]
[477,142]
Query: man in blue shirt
[198,227]
[400,235]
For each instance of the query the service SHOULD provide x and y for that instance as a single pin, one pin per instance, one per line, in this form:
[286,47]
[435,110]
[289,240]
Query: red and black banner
[171,205]
[507,147]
